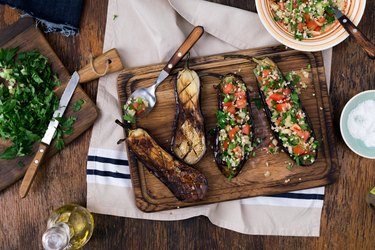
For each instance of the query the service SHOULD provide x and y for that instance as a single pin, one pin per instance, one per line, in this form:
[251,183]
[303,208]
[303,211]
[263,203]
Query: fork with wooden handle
[102,65]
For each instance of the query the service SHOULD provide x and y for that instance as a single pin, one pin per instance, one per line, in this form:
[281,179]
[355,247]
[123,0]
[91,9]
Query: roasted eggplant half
[185,182]
[289,121]
[234,129]
[188,141]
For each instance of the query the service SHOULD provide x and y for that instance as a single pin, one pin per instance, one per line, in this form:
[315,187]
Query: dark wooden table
[347,221]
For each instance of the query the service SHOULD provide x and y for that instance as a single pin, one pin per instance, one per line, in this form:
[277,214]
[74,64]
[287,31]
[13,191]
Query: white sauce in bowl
[361,122]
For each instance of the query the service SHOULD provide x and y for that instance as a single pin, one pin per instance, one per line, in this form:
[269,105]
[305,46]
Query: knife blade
[109,62]
[353,30]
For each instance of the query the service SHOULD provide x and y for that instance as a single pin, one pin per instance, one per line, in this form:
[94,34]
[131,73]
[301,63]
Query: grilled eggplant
[185,182]
[188,141]
[234,130]
[289,120]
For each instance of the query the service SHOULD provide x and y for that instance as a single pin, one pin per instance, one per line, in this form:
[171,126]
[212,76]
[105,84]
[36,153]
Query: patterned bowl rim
[335,35]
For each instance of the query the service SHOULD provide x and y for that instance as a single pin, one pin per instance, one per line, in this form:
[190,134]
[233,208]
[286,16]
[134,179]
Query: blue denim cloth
[56,15]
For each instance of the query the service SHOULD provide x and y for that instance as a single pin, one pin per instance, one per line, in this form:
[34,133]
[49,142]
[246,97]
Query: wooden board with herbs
[265,173]
[27,37]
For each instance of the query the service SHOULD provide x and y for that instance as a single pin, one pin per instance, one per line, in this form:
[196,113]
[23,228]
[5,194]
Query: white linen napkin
[147,32]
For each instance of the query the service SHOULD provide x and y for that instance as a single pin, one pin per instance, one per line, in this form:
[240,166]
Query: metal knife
[109,62]
[361,39]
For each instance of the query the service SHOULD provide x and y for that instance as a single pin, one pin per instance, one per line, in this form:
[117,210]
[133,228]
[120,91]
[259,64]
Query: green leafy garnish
[77,105]
[27,100]
[65,128]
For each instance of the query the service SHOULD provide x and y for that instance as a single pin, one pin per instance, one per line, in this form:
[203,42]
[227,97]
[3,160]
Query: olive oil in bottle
[68,227]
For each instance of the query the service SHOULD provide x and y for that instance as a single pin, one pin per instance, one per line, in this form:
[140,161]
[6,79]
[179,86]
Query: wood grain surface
[347,221]
[151,195]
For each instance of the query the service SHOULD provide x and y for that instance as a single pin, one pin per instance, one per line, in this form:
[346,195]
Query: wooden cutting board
[26,36]
[263,174]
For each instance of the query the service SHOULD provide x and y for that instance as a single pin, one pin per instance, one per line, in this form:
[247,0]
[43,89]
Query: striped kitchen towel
[147,32]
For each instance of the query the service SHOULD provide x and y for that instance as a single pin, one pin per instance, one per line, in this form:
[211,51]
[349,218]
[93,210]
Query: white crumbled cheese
[267,174]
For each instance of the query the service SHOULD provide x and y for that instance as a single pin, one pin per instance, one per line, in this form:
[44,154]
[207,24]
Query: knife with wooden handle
[361,39]
[104,64]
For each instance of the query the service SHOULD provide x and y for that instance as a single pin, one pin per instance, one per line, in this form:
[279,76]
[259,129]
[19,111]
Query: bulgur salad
[289,121]
[234,125]
[305,18]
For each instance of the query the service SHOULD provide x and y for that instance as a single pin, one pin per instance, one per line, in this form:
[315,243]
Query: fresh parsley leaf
[77,105]
[27,100]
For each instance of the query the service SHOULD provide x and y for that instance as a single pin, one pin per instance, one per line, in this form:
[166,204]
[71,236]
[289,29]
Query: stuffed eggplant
[188,141]
[185,182]
[234,130]
[289,120]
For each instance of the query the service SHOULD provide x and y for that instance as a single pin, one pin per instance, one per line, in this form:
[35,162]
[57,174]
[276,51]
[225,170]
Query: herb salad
[27,101]
[305,18]
[234,126]
[289,121]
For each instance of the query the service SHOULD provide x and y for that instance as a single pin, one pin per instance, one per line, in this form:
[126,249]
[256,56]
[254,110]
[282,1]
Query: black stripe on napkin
[107,174]
[299,196]
[107,160]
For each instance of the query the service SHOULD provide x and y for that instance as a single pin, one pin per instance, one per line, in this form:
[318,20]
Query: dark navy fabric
[64,12]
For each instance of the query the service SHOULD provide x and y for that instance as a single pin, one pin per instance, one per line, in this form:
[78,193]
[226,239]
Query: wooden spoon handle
[32,170]
[106,63]
[193,37]
[361,39]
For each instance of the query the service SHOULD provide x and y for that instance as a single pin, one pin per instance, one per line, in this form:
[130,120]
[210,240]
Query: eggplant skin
[225,170]
[188,142]
[267,61]
[184,181]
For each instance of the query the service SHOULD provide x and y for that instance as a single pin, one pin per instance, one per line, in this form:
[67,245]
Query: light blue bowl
[356,145]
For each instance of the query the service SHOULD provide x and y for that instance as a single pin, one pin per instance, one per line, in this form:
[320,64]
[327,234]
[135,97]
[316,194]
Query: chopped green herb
[77,105]
[27,100]
[114,17]
[65,128]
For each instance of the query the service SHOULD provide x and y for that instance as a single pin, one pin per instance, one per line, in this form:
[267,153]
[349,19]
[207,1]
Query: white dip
[361,122]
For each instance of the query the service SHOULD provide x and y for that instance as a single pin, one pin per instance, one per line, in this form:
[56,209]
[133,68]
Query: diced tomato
[300,27]
[321,20]
[232,110]
[269,102]
[318,29]
[311,25]
[240,94]
[278,121]
[230,107]
[282,6]
[282,107]
[277,97]
[306,135]
[232,133]
[307,17]
[139,107]
[228,88]
[298,150]
[241,103]
[226,144]
[295,128]
[246,129]
[266,72]
[238,151]
[287,91]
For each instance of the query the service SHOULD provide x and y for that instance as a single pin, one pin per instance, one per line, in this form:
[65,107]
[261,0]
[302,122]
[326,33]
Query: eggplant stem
[117,121]
[211,74]
[237,56]
[121,141]
[186,66]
